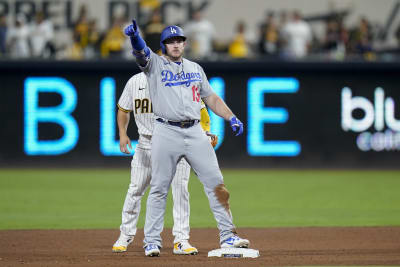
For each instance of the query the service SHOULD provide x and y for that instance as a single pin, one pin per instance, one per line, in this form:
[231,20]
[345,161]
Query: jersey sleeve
[125,102]
[205,89]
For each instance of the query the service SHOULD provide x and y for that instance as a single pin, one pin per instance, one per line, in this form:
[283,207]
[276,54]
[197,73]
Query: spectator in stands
[332,35]
[3,34]
[147,9]
[201,34]
[152,31]
[269,35]
[19,38]
[114,40]
[361,37]
[239,47]
[297,36]
[282,21]
[93,45]
[81,28]
[41,37]
[336,39]
[74,51]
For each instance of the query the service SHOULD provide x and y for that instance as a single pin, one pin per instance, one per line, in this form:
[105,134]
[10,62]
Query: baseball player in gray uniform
[136,98]
[177,86]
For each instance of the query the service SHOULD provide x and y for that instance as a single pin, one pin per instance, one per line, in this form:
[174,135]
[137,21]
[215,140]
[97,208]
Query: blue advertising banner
[295,114]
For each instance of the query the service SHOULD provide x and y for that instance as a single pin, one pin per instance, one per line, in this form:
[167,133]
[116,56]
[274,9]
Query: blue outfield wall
[296,114]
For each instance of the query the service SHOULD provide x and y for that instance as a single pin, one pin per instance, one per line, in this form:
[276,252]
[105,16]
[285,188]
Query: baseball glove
[213,139]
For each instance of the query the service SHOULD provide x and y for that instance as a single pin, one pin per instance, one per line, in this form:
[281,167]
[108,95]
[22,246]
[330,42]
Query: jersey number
[196,94]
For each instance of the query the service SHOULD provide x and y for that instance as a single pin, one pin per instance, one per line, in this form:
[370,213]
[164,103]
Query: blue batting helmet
[169,32]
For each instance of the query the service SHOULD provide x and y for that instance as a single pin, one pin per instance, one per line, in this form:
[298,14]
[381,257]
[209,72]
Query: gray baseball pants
[169,144]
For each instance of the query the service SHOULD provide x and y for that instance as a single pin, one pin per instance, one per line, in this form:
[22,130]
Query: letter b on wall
[60,114]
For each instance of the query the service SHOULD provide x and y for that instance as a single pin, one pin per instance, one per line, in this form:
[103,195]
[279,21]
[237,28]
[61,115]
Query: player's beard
[174,57]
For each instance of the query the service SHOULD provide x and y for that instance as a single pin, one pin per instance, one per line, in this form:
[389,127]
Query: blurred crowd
[281,35]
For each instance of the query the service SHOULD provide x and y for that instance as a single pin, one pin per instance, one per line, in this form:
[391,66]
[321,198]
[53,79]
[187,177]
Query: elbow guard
[142,54]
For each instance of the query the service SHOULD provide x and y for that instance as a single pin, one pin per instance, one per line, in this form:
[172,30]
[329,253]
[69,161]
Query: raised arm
[140,49]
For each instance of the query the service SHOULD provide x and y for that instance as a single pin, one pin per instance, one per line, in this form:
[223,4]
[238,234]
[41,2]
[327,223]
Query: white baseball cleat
[184,248]
[235,242]
[121,245]
[152,250]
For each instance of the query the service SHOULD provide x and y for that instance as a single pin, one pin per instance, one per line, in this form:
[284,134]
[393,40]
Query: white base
[234,253]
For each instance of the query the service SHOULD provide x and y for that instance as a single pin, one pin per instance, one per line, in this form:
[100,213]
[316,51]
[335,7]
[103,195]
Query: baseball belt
[181,124]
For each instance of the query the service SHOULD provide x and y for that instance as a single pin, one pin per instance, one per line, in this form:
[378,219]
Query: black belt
[182,124]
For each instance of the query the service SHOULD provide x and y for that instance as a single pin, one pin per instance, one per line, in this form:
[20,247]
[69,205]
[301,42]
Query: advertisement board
[295,114]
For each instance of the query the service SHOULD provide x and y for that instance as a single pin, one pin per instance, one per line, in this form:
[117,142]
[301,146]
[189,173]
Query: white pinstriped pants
[140,180]
[169,144]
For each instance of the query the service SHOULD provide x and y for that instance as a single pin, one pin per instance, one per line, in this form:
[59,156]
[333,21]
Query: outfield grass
[88,198]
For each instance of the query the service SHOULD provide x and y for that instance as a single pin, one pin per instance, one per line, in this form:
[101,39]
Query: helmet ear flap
[163,49]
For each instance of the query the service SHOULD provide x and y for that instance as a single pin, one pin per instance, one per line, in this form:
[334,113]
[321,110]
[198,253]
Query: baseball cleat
[184,248]
[152,250]
[235,242]
[121,245]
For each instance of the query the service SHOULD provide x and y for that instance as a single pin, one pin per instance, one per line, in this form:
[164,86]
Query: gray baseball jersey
[176,90]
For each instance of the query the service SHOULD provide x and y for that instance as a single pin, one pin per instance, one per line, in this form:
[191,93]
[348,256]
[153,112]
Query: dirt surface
[278,247]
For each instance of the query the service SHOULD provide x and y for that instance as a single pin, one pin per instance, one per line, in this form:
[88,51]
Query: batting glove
[237,126]
[140,50]
[132,30]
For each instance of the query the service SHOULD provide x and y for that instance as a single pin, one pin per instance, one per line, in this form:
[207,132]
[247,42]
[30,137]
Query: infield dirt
[278,247]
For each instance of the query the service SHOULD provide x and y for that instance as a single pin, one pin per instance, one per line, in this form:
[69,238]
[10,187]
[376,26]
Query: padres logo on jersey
[143,105]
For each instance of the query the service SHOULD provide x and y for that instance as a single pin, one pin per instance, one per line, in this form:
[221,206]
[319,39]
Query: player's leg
[140,179]
[166,149]
[181,210]
[181,207]
[202,158]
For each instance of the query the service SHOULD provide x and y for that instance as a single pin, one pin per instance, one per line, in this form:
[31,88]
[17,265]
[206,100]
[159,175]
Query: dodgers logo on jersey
[171,79]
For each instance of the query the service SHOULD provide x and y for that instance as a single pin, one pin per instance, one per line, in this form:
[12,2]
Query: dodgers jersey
[136,98]
[176,89]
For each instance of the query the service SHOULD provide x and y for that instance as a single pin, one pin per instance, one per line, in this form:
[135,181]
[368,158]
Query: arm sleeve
[140,50]
[205,89]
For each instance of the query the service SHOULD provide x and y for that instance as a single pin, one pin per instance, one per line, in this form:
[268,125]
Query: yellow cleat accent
[119,249]
[184,248]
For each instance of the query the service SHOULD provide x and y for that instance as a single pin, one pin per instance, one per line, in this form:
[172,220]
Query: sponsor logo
[377,126]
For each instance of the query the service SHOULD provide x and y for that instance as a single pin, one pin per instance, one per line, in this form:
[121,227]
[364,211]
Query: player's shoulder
[137,78]
[188,61]
[195,64]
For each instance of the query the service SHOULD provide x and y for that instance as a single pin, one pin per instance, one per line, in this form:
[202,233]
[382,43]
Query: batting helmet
[169,32]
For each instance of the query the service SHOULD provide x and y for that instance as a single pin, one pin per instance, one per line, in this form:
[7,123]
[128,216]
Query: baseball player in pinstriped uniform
[136,98]
[176,86]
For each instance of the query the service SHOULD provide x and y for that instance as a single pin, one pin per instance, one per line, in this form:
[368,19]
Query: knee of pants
[222,195]
[135,192]
[160,187]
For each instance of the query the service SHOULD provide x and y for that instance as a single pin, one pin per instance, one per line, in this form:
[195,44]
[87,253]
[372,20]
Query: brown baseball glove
[213,139]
